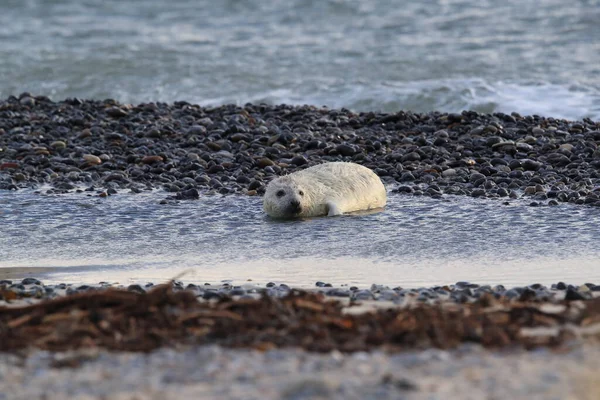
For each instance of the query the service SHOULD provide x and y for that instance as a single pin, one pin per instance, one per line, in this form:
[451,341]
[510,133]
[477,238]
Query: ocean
[539,57]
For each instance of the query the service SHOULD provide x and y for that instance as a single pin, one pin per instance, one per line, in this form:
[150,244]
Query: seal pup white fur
[332,188]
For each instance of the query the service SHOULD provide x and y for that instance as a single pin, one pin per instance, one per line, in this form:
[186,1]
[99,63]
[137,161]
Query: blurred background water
[533,57]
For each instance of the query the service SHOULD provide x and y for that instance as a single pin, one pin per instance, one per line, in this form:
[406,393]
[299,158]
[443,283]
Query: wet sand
[24,272]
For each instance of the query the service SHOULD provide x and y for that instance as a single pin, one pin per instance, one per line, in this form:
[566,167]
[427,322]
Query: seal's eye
[280,193]
[301,193]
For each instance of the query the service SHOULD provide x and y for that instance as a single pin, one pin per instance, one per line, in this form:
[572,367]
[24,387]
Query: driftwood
[121,320]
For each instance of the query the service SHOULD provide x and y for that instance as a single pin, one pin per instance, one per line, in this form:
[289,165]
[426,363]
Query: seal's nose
[295,206]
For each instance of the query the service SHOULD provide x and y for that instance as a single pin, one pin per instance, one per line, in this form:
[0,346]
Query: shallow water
[538,57]
[415,241]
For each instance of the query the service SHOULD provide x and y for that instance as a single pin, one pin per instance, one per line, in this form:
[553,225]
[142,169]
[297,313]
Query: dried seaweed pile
[122,320]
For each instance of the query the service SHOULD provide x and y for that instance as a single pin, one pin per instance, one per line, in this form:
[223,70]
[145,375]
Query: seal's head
[285,198]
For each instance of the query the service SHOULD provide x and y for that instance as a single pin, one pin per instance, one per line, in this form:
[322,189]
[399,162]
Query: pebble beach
[189,152]
[105,147]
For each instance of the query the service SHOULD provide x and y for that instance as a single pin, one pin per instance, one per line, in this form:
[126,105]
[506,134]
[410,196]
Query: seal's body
[326,189]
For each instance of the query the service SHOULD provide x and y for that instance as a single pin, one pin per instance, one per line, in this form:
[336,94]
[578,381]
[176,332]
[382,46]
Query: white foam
[572,102]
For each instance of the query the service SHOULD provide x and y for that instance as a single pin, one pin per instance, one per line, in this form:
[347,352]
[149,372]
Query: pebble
[460,292]
[152,159]
[136,288]
[265,162]
[58,145]
[92,159]
[116,112]
[31,281]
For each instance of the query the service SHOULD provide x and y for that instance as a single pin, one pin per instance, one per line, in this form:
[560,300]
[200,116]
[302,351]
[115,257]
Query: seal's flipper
[332,209]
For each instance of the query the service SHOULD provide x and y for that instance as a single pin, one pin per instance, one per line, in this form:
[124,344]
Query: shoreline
[339,318]
[19,273]
[22,287]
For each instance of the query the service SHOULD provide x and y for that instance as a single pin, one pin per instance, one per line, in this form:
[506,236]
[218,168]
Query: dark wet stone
[346,150]
[413,156]
[536,286]
[484,289]
[572,295]
[189,194]
[406,177]
[468,292]
[561,286]
[338,293]
[512,293]
[116,112]
[27,101]
[378,288]
[388,295]
[31,281]
[299,160]
[527,294]
[237,292]
[212,295]
[531,165]
[460,297]
[362,295]
[404,189]
[136,288]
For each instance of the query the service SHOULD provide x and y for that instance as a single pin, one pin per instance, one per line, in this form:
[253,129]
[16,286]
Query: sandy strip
[25,272]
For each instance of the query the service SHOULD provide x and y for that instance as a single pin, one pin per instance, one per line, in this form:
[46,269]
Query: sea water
[533,57]
[414,241]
